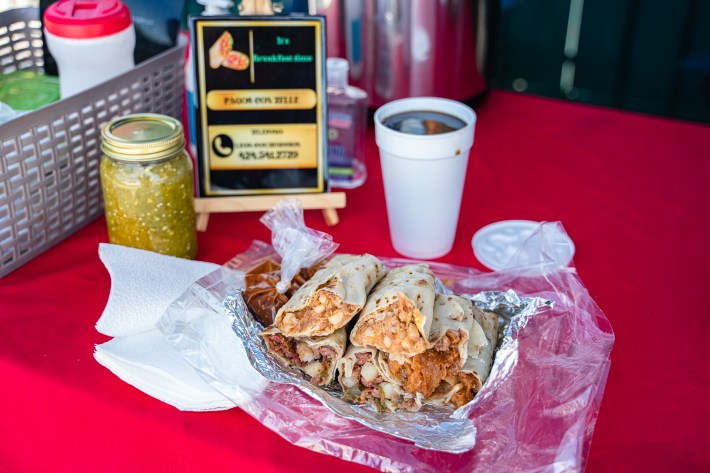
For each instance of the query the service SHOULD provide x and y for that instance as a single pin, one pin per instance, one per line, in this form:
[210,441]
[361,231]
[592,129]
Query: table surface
[631,190]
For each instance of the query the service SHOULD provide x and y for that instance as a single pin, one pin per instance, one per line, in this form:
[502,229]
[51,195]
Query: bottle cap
[28,90]
[142,137]
[84,19]
[337,72]
[496,243]
[216,7]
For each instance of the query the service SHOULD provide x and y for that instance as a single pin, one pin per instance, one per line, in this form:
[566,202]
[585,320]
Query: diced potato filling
[325,313]
[369,372]
[363,384]
[393,330]
[315,362]
[362,374]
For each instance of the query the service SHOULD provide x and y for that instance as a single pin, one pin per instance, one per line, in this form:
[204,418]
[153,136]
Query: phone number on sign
[261,155]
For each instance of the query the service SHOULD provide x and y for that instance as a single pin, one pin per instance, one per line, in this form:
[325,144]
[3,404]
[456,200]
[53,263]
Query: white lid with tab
[495,244]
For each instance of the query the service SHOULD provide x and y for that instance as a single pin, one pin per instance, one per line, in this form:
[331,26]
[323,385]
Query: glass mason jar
[146,177]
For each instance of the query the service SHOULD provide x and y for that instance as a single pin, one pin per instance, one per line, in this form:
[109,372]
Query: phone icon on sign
[222,146]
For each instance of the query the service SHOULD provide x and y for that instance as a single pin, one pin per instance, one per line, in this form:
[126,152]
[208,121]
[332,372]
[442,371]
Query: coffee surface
[423,122]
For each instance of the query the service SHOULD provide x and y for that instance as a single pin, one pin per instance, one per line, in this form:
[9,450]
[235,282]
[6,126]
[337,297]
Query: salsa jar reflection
[147,183]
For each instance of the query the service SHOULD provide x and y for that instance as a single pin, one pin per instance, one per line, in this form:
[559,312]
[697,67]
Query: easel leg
[331,217]
[202,219]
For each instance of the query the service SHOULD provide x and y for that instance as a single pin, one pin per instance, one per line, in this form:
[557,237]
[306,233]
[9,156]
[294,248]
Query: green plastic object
[27,90]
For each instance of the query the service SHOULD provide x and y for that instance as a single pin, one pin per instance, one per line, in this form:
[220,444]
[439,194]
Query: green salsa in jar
[148,186]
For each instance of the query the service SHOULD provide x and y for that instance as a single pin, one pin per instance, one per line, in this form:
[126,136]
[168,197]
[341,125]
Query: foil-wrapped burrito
[331,298]
[315,356]
[453,319]
[426,372]
[364,382]
[399,312]
[460,389]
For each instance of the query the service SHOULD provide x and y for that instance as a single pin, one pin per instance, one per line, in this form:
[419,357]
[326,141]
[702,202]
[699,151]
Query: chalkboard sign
[260,86]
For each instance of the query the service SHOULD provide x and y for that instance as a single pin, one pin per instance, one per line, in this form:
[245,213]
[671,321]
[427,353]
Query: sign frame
[296,151]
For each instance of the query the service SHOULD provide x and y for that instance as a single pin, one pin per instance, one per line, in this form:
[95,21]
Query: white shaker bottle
[92,41]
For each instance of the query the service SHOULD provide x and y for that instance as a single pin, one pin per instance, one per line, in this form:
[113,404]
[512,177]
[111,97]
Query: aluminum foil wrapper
[432,427]
[535,412]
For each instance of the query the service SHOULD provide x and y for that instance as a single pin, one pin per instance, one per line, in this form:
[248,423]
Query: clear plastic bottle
[347,127]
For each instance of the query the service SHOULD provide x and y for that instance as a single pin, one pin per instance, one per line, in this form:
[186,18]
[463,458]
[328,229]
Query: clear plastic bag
[273,275]
[298,245]
[536,411]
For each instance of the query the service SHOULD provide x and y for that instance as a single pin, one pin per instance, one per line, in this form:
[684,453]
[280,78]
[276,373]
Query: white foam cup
[424,177]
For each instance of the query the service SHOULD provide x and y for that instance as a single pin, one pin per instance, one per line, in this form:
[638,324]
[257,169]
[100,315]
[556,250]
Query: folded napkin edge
[111,363]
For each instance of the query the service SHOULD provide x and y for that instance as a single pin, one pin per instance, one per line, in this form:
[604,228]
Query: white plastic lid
[496,243]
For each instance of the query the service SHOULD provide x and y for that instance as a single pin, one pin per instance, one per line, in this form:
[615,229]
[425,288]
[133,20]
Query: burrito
[461,389]
[220,49]
[453,318]
[317,356]
[364,383]
[398,313]
[423,373]
[331,298]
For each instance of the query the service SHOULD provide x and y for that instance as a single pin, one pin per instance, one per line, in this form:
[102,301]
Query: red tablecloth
[631,190]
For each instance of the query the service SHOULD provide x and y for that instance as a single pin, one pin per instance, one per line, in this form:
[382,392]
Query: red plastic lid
[86,18]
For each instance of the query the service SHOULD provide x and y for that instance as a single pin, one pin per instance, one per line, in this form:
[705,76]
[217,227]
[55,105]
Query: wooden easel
[328,202]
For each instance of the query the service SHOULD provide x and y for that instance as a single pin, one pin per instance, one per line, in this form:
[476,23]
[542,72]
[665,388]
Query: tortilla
[331,298]
[399,312]
[220,49]
[461,389]
[236,60]
[317,357]
[423,373]
[453,319]
[363,382]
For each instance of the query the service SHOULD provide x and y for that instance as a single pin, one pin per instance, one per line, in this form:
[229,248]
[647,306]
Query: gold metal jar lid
[142,137]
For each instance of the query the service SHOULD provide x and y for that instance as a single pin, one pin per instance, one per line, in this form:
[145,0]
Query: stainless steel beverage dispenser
[408,48]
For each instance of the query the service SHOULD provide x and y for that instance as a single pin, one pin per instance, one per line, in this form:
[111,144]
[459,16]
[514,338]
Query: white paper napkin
[148,283]
[148,362]
[143,285]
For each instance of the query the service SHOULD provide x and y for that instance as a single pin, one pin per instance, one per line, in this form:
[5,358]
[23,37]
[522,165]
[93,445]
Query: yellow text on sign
[244,147]
[262,99]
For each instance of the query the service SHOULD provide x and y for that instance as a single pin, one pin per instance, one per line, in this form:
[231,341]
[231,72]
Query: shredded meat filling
[393,330]
[423,373]
[371,391]
[444,343]
[376,397]
[469,387]
[327,352]
[364,384]
[285,347]
[314,361]
[362,359]
[326,356]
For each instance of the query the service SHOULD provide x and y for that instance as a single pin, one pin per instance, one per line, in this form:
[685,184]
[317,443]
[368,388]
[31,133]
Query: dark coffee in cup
[423,122]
